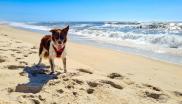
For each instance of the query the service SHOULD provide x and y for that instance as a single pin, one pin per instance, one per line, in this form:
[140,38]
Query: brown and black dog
[53,46]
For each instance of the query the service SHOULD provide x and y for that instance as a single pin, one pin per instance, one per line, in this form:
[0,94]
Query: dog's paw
[51,73]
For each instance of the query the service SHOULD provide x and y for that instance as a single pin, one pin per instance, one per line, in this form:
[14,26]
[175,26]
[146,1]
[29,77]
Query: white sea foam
[140,35]
[28,26]
[166,40]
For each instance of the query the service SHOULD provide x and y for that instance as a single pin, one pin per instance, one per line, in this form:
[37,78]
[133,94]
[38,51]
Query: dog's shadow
[38,76]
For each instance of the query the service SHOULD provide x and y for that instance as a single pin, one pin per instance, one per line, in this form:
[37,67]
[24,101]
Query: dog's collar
[58,52]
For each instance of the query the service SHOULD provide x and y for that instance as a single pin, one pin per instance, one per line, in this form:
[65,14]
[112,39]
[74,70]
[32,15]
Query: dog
[54,46]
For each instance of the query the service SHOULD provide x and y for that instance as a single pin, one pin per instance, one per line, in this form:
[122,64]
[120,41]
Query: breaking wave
[163,34]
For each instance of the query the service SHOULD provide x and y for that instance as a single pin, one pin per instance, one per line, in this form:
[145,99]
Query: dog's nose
[59,42]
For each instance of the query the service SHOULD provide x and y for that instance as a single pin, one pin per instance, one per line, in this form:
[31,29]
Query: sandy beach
[95,75]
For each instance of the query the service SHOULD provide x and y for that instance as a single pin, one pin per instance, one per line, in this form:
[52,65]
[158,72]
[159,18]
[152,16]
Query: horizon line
[100,21]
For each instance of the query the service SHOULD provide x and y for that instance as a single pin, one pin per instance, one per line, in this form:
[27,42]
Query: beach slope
[95,75]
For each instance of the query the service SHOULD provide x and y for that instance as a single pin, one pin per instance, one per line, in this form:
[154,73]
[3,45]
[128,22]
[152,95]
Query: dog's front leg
[40,60]
[64,65]
[52,65]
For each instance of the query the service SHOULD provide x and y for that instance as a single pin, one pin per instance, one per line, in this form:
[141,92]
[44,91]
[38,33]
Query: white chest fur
[52,52]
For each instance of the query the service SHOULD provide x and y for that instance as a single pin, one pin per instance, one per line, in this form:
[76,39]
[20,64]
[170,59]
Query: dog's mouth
[60,46]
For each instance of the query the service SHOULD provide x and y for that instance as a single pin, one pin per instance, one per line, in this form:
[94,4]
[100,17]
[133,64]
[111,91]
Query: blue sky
[91,10]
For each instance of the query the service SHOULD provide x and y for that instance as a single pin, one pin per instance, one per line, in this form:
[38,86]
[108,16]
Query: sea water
[157,40]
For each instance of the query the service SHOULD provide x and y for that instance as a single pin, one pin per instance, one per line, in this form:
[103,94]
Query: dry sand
[95,75]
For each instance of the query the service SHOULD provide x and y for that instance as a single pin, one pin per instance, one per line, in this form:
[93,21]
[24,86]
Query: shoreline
[36,37]
[137,73]
[155,53]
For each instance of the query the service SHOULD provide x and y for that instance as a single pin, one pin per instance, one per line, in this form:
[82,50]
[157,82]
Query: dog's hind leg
[52,65]
[40,54]
[64,64]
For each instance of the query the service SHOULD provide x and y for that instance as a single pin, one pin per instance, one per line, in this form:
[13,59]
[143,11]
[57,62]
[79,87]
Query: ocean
[156,40]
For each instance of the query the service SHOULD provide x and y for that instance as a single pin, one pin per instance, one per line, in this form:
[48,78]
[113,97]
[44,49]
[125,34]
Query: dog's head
[59,37]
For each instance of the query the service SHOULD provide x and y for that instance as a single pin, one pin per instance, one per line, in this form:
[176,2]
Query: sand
[95,75]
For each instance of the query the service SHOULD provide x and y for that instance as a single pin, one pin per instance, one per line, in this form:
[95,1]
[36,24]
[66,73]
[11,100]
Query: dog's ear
[53,30]
[65,30]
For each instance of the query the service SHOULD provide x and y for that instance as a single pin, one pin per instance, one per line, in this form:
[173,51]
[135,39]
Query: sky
[90,10]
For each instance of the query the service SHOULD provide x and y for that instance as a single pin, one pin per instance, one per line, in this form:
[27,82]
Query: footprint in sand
[18,52]
[35,101]
[70,86]
[41,98]
[32,99]
[90,91]
[92,84]
[34,47]
[13,55]
[23,74]
[153,93]
[14,50]
[3,50]
[157,96]
[75,93]
[52,83]
[60,91]
[2,60]
[14,67]
[115,75]
[25,55]
[33,52]
[117,86]
[4,34]
[85,71]
[120,77]
[152,87]
[78,81]
[177,94]
[23,62]
[18,42]
[10,90]
[18,58]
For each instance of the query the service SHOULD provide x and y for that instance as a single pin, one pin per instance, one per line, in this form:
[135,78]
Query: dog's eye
[56,36]
[61,38]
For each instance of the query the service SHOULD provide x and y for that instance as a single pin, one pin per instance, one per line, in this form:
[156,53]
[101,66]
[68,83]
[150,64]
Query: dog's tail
[40,49]
[45,54]
[44,46]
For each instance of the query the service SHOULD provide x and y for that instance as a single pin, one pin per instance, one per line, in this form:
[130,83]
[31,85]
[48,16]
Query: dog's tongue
[59,47]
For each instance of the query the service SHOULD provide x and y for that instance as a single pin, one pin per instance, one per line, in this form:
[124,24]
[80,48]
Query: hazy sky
[91,10]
